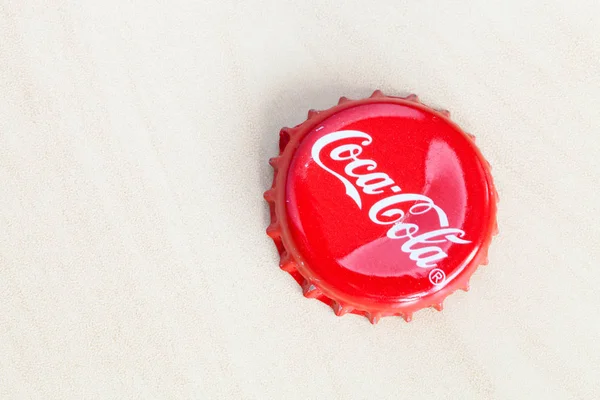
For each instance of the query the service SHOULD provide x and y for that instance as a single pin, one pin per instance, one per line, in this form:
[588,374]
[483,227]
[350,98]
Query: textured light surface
[134,139]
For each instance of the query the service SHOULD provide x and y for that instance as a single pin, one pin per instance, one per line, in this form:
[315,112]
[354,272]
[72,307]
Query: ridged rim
[291,260]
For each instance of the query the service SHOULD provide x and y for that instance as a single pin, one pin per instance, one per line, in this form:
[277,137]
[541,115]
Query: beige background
[134,138]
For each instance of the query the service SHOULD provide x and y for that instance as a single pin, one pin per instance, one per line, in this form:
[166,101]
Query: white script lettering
[420,246]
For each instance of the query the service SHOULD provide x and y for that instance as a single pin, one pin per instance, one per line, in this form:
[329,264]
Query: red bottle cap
[381,206]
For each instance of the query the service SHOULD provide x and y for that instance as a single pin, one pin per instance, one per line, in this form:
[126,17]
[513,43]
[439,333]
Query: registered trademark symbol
[437,276]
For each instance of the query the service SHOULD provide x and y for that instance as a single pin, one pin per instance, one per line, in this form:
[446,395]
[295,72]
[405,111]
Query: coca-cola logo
[390,209]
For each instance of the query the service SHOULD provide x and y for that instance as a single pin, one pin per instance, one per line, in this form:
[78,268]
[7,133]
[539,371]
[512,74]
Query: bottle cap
[381,206]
